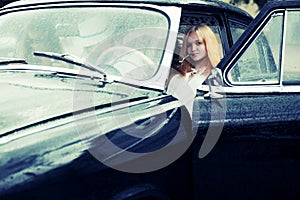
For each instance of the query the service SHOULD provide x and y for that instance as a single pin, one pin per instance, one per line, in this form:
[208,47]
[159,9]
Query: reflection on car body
[92,120]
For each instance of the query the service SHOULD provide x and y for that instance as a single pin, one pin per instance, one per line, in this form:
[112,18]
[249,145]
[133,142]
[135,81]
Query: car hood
[31,97]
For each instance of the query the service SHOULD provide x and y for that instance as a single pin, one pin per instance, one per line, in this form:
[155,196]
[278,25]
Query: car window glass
[123,41]
[236,29]
[291,70]
[259,64]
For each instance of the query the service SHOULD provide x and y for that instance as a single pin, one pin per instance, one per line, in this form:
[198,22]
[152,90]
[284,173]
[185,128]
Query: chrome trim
[255,89]
[282,53]
[261,90]
[234,60]
[85,115]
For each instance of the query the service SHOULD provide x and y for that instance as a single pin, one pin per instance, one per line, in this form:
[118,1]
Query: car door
[255,151]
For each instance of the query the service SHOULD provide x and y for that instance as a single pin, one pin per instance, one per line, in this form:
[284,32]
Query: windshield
[123,41]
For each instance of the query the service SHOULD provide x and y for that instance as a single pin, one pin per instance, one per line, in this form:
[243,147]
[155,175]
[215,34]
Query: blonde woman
[200,53]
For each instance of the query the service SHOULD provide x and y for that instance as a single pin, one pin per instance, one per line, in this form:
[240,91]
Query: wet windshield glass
[128,42]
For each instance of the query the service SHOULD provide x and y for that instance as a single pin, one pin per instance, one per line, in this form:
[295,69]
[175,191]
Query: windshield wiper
[71,59]
[6,61]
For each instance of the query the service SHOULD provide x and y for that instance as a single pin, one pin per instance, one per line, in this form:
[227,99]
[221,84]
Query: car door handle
[213,95]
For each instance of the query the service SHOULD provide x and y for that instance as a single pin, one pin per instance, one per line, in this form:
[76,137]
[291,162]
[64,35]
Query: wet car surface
[85,113]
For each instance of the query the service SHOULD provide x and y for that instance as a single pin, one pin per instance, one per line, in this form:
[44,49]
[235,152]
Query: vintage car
[85,112]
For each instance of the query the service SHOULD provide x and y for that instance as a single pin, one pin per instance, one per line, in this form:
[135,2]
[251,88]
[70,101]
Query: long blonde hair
[211,45]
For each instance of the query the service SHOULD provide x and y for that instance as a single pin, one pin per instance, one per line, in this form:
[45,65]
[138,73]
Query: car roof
[214,4]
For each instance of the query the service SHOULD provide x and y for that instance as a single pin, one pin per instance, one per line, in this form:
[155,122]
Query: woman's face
[196,47]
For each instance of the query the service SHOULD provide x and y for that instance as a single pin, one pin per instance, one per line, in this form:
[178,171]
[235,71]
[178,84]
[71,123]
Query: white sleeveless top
[184,88]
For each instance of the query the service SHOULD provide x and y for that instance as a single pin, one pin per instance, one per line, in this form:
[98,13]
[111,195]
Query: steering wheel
[128,62]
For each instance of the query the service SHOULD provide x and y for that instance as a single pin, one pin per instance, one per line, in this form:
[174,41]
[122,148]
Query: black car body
[92,120]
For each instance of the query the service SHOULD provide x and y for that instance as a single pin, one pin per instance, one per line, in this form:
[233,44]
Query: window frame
[244,42]
[172,13]
[283,51]
[254,37]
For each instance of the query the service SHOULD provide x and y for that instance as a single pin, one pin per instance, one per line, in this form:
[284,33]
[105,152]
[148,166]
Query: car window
[291,73]
[260,63]
[108,37]
[236,29]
